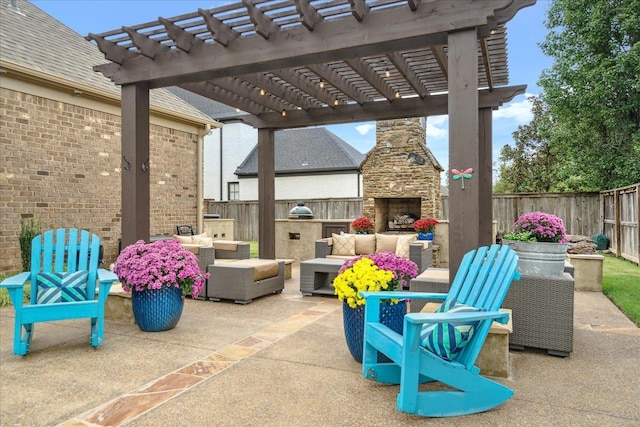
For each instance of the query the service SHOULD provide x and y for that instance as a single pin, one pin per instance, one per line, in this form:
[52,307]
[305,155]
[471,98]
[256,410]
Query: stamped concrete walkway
[282,361]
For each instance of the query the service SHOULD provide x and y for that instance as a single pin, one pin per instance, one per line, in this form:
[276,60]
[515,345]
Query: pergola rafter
[293,63]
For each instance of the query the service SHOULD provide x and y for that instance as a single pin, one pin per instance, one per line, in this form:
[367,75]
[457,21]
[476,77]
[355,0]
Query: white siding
[307,187]
[239,140]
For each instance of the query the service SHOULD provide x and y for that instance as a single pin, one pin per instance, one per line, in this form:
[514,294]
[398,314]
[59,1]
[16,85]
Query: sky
[526,61]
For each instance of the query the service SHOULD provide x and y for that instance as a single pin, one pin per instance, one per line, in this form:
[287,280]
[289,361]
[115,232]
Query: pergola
[296,63]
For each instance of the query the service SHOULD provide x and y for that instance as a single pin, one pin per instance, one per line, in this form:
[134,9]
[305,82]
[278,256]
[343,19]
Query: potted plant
[425,228]
[158,275]
[382,271]
[540,240]
[362,225]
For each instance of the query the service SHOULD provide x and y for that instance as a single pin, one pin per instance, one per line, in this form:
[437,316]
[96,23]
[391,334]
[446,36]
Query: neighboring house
[60,137]
[310,163]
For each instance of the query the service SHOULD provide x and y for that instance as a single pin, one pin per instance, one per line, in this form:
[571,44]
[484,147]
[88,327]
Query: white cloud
[365,129]
[520,111]
[437,126]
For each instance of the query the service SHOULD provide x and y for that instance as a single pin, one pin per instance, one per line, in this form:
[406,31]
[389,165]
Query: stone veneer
[400,173]
[61,165]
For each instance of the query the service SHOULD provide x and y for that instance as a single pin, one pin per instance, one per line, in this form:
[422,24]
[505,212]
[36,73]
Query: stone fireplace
[401,178]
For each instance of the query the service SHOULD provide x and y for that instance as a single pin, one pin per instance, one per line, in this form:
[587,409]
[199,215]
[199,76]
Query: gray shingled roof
[306,151]
[37,41]
[211,108]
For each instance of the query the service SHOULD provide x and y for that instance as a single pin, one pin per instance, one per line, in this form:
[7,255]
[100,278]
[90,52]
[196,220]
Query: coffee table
[316,275]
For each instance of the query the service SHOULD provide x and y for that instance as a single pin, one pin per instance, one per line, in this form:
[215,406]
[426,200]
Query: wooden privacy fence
[619,210]
[579,211]
[246,213]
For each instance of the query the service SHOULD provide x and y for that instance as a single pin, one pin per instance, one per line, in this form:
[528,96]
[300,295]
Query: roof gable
[305,151]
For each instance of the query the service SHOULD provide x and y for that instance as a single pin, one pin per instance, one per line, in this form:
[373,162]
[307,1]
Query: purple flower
[542,226]
[156,265]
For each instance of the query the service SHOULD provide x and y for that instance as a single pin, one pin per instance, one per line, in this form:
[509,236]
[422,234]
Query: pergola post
[464,194]
[135,163]
[485,177]
[266,194]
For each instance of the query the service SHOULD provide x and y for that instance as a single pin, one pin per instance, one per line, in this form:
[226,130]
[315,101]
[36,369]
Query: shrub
[28,230]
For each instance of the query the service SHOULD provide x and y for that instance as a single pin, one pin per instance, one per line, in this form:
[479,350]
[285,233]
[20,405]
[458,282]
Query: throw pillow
[203,241]
[365,244]
[447,340]
[386,242]
[344,244]
[402,246]
[61,287]
[184,240]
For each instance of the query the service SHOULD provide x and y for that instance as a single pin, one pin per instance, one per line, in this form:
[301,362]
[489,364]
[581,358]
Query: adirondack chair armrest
[106,276]
[421,318]
[15,281]
[402,295]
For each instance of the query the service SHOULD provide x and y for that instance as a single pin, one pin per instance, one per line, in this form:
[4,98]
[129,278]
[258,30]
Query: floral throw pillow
[344,244]
[447,340]
[61,287]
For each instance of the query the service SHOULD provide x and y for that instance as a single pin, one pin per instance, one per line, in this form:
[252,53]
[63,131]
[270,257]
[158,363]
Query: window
[234,190]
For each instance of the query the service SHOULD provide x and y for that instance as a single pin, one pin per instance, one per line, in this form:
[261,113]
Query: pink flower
[156,265]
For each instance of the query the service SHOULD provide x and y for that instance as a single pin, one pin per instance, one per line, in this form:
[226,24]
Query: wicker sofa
[207,249]
[406,245]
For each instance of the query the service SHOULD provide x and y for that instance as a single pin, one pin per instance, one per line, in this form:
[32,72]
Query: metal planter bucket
[539,258]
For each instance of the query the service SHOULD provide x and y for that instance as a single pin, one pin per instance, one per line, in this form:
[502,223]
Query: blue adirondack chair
[64,272]
[420,354]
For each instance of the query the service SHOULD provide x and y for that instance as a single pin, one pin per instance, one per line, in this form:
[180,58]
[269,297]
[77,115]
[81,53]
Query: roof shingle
[37,41]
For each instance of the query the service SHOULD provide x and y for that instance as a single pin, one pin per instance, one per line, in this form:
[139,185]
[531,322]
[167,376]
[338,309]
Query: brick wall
[61,165]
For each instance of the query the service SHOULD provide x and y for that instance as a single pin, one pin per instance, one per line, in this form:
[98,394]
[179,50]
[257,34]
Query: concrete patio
[282,361]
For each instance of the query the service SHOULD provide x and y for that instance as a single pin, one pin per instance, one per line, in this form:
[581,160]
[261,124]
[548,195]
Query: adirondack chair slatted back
[482,281]
[65,250]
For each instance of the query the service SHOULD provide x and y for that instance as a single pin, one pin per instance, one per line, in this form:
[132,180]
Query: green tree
[593,91]
[531,165]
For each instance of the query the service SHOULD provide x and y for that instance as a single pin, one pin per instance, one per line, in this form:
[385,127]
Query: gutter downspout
[221,165]
[200,179]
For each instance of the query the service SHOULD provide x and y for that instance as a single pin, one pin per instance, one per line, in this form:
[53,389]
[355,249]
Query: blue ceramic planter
[157,310]
[425,236]
[353,321]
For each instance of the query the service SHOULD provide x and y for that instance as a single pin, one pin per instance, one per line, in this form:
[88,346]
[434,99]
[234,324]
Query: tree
[593,91]
[531,165]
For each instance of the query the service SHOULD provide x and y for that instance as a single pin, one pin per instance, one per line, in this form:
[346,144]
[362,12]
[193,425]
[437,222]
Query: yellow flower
[364,275]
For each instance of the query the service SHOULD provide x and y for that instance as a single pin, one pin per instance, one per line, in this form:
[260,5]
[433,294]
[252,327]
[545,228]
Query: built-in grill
[300,212]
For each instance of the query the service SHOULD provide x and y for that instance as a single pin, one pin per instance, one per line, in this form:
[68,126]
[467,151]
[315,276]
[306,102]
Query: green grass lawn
[621,284]
[254,248]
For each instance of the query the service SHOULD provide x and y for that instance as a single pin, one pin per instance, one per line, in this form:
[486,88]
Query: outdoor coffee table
[316,275]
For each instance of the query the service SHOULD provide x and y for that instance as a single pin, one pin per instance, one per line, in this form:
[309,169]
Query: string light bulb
[387,73]
[284,113]
[397,94]
[262,92]
[335,102]
[321,84]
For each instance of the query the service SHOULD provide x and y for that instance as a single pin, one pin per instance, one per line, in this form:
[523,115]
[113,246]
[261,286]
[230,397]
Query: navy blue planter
[353,321]
[157,310]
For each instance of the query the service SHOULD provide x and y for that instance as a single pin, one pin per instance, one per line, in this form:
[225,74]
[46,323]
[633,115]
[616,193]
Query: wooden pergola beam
[433,105]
